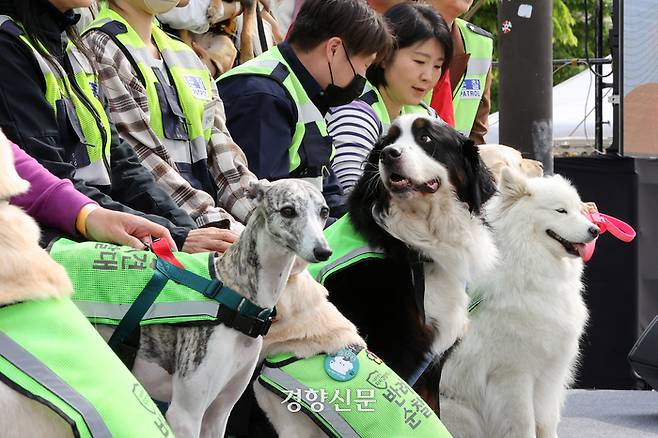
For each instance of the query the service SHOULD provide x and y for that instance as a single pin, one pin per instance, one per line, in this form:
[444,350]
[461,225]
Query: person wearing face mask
[397,85]
[166,106]
[275,103]
[51,108]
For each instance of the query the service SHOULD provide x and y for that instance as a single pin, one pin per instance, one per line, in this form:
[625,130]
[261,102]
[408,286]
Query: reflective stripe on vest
[311,147]
[468,94]
[373,97]
[23,360]
[348,248]
[331,418]
[108,278]
[87,117]
[51,354]
[375,402]
[182,111]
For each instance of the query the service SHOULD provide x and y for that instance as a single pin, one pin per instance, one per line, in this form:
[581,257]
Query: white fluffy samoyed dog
[509,375]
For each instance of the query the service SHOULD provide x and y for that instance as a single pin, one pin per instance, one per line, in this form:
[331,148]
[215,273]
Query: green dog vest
[108,278]
[348,247]
[375,402]
[82,381]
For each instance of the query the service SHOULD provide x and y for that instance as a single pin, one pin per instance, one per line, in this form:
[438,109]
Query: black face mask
[337,96]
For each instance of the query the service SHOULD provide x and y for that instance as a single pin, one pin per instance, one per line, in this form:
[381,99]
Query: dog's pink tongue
[585,250]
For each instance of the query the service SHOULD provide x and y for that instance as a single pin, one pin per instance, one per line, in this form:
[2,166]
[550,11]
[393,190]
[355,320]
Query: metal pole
[617,49]
[526,78]
[598,90]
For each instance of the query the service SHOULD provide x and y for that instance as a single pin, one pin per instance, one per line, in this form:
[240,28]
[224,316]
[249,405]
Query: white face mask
[156,7]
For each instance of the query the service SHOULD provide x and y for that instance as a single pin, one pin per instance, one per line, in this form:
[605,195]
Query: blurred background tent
[573,115]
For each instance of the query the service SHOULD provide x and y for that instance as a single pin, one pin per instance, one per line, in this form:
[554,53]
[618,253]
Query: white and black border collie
[419,200]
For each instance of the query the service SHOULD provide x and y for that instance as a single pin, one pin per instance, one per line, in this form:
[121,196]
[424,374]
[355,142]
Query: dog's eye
[425,138]
[561,211]
[324,212]
[288,212]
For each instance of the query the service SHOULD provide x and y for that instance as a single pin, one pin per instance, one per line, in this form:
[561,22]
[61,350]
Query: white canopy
[573,112]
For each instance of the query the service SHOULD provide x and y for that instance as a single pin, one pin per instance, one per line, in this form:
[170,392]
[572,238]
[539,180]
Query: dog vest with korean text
[348,247]
[108,278]
[372,402]
[51,354]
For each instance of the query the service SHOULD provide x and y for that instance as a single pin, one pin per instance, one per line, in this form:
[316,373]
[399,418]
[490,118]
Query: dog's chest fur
[546,319]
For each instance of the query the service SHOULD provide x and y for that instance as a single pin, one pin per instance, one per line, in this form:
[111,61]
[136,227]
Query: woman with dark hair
[51,107]
[397,85]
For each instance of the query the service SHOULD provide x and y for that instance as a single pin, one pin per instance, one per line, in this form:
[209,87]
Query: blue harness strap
[427,361]
[235,311]
[213,289]
[130,321]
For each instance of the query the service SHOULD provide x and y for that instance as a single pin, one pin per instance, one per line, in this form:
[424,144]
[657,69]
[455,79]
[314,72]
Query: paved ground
[610,414]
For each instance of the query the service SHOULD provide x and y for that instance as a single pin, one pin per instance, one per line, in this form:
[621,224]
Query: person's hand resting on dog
[105,225]
[209,239]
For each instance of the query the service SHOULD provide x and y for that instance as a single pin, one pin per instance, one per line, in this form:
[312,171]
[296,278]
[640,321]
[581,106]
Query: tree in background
[569,34]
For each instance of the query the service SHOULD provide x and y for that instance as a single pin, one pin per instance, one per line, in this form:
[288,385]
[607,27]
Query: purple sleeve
[51,201]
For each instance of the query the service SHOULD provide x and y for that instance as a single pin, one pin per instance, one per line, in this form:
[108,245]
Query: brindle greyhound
[204,369]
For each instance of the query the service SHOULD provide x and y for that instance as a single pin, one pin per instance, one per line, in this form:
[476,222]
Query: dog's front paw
[449,330]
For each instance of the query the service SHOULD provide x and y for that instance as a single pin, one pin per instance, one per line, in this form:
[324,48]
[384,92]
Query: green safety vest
[311,149]
[51,354]
[183,111]
[348,247]
[376,402]
[108,278]
[468,93]
[373,97]
[85,116]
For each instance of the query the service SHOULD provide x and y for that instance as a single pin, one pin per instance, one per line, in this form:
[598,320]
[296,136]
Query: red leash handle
[618,228]
[162,250]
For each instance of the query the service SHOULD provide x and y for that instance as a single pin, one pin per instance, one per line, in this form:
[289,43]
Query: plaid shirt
[128,107]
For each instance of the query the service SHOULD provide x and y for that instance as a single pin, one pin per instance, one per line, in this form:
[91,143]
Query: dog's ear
[513,184]
[480,185]
[532,167]
[10,183]
[257,189]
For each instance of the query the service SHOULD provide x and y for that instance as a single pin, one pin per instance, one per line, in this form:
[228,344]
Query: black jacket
[28,120]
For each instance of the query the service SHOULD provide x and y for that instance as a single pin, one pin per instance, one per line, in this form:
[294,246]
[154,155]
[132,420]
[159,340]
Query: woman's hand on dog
[209,239]
[105,225]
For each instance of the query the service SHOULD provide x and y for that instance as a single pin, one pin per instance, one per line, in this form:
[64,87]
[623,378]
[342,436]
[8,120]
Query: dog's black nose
[321,254]
[594,231]
[390,154]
